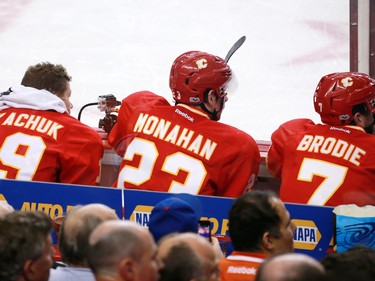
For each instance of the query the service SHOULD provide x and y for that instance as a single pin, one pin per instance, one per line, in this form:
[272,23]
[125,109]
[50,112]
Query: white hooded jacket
[28,97]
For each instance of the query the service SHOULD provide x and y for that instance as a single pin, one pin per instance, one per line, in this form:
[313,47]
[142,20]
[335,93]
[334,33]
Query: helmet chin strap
[209,113]
[370,129]
[214,115]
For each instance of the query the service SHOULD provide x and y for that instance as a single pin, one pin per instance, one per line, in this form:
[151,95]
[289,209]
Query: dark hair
[22,237]
[362,248]
[47,76]
[73,245]
[357,263]
[361,108]
[181,264]
[251,215]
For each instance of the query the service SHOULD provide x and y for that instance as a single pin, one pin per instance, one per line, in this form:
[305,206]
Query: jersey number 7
[333,174]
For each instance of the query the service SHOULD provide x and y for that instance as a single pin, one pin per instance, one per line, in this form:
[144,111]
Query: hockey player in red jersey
[181,148]
[39,140]
[331,163]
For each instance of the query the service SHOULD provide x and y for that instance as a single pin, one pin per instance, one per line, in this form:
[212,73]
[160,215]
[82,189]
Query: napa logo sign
[141,214]
[307,235]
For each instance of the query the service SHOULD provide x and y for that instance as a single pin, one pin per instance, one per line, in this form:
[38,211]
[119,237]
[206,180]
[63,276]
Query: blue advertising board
[315,225]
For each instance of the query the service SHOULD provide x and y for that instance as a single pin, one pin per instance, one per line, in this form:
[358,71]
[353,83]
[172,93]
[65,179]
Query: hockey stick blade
[235,48]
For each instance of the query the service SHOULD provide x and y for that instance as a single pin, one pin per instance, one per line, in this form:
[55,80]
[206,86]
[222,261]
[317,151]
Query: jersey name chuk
[175,134]
[332,146]
[32,122]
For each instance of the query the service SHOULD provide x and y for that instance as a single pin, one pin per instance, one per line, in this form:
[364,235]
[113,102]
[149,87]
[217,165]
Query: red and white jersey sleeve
[326,165]
[178,149]
[48,146]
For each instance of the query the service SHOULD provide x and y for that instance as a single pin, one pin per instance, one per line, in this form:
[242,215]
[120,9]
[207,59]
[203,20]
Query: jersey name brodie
[33,122]
[161,129]
[332,146]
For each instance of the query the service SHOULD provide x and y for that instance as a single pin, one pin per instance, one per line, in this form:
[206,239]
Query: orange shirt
[240,266]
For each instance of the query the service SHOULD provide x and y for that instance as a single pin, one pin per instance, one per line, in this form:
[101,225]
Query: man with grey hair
[290,267]
[123,251]
[74,240]
[187,256]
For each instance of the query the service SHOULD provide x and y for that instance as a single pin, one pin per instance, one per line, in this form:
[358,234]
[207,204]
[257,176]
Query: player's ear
[29,270]
[213,95]
[211,98]
[127,269]
[267,241]
[358,119]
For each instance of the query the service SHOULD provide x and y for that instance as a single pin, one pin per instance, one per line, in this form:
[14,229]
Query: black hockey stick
[235,48]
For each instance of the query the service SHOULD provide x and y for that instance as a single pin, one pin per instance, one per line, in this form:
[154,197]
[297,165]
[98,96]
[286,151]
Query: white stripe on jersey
[244,258]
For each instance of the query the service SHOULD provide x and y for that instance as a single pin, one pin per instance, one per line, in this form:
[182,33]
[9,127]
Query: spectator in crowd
[186,257]
[362,248]
[290,267]
[178,213]
[358,263]
[181,148]
[25,246]
[259,227]
[123,250]
[5,208]
[74,240]
[39,140]
[332,163]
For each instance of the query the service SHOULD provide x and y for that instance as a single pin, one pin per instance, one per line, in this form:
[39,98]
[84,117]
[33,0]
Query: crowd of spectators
[96,245]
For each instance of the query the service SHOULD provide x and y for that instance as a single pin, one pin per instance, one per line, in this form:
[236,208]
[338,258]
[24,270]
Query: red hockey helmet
[337,93]
[194,72]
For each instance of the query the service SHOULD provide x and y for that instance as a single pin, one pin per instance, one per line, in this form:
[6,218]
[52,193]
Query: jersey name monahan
[175,134]
[32,122]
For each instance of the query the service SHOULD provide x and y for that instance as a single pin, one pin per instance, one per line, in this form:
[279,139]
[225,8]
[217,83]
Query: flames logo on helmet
[337,93]
[202,63]
[347,82]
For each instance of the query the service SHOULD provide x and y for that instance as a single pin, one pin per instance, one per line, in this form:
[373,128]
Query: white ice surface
[122,46]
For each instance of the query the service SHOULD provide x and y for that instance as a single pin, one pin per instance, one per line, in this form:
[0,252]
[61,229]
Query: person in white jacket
[39,140]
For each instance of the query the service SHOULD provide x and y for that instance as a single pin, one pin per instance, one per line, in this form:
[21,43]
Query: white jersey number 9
[23,153]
